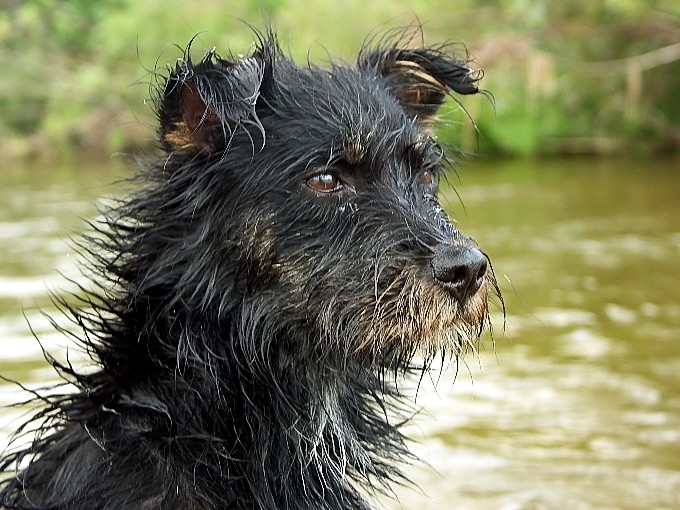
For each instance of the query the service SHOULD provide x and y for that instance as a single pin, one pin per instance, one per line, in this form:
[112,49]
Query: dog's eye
[426,178]
[325,182]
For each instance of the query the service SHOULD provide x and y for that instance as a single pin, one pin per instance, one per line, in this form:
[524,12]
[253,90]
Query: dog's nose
[459,269]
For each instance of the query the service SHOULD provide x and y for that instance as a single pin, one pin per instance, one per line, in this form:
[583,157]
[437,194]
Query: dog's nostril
[460,270]
[482,269]
[452,274]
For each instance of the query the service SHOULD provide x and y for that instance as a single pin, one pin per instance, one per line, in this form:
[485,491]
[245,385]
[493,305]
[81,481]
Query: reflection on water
[578,404]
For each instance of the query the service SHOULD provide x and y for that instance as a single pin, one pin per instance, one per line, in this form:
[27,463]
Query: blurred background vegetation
[584,76]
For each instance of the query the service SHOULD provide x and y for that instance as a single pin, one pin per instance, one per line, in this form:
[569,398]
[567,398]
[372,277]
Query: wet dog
[284,261]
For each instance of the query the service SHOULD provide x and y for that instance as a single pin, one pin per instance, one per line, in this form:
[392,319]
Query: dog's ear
[201,105]
[421,78]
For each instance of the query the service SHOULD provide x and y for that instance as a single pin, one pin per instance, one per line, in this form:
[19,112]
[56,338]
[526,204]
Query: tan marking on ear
[420,89]
[416,70]
[194,130]
[180,136]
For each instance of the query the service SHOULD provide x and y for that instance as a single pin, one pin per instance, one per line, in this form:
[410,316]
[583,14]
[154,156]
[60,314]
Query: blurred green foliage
[585,76]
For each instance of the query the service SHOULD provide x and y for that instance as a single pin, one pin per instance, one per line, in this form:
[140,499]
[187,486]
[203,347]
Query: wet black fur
[248,330]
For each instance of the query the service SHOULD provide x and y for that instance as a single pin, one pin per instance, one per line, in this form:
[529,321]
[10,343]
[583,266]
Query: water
[574,403]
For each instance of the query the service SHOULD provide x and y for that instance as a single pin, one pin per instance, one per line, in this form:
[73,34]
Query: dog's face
[324,185]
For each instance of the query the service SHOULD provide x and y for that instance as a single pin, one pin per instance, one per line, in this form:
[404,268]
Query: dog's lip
[476,308]
[471,312]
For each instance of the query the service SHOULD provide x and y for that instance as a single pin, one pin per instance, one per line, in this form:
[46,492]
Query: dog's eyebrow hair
[423,148]
[355,148]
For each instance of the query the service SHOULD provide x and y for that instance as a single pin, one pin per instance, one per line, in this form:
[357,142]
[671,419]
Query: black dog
[283,262]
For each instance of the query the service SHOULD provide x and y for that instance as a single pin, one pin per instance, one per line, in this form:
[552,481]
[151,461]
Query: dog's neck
[267,430]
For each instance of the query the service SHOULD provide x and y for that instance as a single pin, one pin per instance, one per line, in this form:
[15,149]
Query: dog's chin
[424,321]
[473,313]
[452,328]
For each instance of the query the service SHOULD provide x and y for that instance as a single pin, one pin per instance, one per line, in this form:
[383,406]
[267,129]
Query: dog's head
[310,203]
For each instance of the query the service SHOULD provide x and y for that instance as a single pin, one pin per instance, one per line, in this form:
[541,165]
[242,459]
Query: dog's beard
[381,316]
[387,321]
[414,316]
